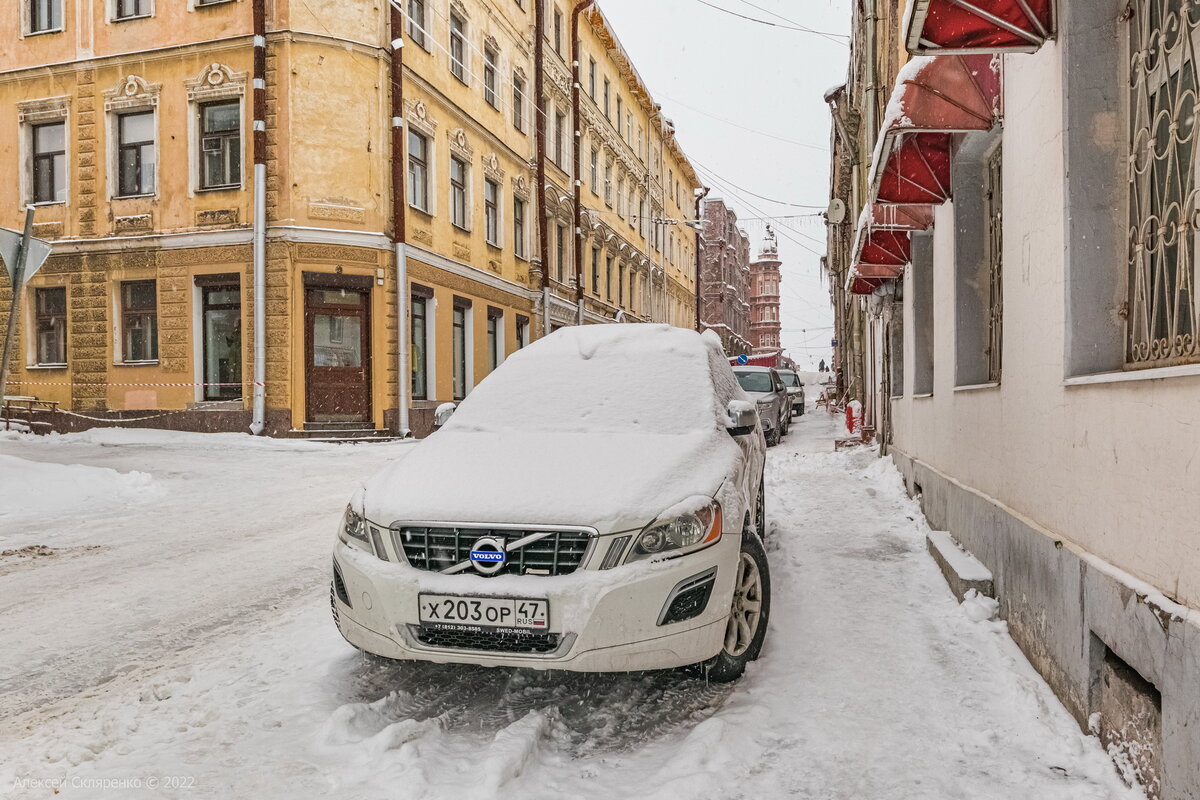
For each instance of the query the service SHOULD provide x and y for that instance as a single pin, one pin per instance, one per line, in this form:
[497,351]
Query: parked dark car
[766,389]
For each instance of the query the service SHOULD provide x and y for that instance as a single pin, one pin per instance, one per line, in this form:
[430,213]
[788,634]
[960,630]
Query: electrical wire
[682,104]
[833,37]
[755,194]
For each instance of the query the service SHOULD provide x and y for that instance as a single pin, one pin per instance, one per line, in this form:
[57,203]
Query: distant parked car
[766,389]
[795,390]
[596,504]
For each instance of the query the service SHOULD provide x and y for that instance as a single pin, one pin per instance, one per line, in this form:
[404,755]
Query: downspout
[703,193]
[258,422]
[578,145]
[539,143]
[399,228]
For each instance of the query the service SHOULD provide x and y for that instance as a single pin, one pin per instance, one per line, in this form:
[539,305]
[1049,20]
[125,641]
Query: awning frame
[918,10]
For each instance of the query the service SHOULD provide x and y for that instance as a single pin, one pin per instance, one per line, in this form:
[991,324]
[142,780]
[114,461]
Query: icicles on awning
[934,98]
[933,27]
[882,247]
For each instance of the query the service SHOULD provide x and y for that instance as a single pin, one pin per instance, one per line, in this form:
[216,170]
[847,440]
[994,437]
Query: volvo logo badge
[488,555]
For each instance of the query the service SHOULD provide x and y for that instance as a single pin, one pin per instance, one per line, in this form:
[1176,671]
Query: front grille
[493,640]
[690,598]
[436,549]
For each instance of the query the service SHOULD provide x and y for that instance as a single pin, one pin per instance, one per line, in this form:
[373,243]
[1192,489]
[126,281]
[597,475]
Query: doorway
[337,354]
[221,338]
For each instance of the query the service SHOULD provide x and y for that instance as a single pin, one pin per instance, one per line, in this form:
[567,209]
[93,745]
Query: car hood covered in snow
[599,425]
[612,483]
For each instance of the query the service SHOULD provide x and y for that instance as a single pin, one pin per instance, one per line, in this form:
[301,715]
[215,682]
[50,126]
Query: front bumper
[604,621]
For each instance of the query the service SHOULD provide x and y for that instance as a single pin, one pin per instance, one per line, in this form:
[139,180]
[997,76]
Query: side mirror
[741,418]
[442,414]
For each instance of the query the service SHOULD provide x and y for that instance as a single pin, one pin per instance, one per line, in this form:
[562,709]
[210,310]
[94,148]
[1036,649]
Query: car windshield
[789,378]
[755,381]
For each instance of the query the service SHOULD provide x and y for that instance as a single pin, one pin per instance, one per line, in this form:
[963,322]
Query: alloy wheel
[746,612]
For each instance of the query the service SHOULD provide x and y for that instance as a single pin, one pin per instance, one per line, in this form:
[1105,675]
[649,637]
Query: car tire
[773,436]
[785,424]
[747,627]
[760,509]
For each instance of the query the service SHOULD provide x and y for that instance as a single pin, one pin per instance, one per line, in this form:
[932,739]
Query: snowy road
[191,647]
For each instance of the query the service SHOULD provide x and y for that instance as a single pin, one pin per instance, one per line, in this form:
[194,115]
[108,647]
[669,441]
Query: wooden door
[337,355]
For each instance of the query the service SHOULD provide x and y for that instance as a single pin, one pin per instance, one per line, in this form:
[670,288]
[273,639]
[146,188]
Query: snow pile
[164,438]
[31,489]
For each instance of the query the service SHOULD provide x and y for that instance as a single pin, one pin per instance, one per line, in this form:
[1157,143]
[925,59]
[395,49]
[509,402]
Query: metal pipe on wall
[578,146]
[539,141]
[700,195]
[258,421]
[399,228]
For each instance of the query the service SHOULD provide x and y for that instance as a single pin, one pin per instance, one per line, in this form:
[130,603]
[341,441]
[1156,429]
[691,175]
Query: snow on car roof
[626,377]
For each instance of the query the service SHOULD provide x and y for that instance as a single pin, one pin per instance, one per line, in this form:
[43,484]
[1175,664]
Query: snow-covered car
[766,389]
[795,390]
[594,505]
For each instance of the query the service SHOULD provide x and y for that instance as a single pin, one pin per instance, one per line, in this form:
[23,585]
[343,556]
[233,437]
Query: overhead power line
[755,194]
[833,37]
[820,148]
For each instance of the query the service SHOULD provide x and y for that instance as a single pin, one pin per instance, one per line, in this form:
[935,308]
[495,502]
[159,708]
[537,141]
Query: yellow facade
[468,96]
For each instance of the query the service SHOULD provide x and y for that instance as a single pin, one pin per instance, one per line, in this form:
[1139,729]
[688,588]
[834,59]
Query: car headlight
[679,534]
[354,529]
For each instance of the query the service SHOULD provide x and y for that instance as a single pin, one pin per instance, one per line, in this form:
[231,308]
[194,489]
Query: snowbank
[38,489]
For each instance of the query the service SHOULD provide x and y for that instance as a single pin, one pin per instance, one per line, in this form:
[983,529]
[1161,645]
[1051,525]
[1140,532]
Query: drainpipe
[700,195]
[399,228]
[578,143]
[258,423]
[539,143]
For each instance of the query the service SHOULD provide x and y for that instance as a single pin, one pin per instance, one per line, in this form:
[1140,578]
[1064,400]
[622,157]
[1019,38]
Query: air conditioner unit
[211,144]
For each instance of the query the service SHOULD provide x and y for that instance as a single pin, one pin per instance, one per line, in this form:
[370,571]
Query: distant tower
[764,296]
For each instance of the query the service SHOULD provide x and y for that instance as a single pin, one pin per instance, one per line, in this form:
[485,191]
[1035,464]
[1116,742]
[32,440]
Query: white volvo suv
[594,505]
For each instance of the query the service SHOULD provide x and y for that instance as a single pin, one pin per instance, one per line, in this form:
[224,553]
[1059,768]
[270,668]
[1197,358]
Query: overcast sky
[699,61]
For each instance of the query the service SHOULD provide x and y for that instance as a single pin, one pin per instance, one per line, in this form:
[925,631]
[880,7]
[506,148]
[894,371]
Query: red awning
[934,27]
[934,98]
[882,246]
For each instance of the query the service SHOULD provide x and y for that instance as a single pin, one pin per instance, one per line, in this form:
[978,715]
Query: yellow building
[141,129]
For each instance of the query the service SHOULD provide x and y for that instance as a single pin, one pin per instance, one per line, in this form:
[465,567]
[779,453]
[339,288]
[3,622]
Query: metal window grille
[1161,311]
[995,265]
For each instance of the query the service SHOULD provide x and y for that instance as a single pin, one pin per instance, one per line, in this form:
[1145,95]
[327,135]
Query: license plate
[492,612]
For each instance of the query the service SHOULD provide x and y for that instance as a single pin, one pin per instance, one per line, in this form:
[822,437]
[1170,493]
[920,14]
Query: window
[416,21]
[418,171]
[491,212]
[135,154]
[606,93]
[459,347]
[560,125]
[608,276]
[629,208]
[221,145]
[419,348]
[495,336]
[595,173]
[621,195]
[458,192]
[139,321]
[621,285]
[558,21]
[592,78]
[458,48]
[489,77]
[50,308]
[620,113]
[608,185]
[221,317]
[922,313]
[518,107]
[1161,302]
[641,225]
[49,162]
[995,219]
[518,227]
[128,9]
[522,331]
[45,15]
[560,252]
[596,271]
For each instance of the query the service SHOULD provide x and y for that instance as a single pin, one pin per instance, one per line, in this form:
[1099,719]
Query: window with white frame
[558,31]
[592,78]
[491,212]
[418,171]
[130,9]
[595,171]
[560,132]
[136,154]
[48,146]
[608,184]
[518,227]
[458,48]
[44,15]
[416,22]
[458,192]
[518,104]
[1162,307]
[221,144]
[490,59]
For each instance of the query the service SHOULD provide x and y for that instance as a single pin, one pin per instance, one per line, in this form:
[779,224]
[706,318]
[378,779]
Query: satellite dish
[836,214]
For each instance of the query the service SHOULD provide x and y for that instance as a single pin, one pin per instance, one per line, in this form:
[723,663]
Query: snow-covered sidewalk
[874,682]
